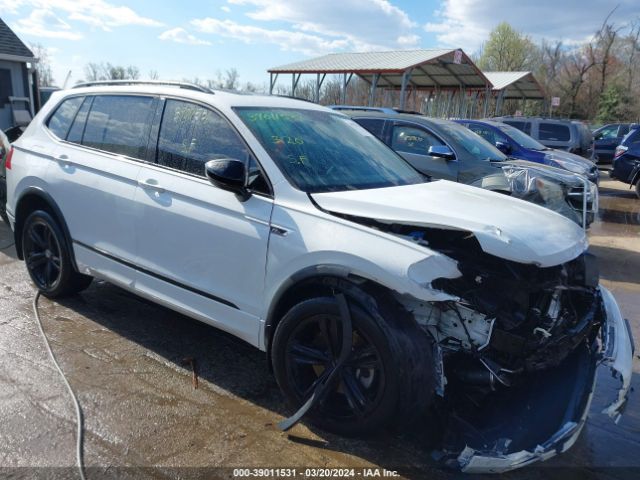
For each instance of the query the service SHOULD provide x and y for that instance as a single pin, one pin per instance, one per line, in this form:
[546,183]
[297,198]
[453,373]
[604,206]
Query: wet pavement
[125,358]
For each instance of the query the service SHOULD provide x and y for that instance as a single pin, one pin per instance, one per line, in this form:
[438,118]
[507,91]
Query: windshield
[472,143]
[521,138]
[323,151]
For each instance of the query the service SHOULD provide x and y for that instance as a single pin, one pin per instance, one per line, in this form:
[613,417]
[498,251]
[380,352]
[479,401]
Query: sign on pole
[555,101]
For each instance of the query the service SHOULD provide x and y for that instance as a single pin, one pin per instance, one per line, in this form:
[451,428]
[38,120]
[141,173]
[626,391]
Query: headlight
[549,190]
[571,166]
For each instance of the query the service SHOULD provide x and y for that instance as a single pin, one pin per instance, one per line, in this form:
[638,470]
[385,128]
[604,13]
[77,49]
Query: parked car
[379,297]
[442,149]
[626,161]
[517,144]
[606,139]
[5,148]
[569,135]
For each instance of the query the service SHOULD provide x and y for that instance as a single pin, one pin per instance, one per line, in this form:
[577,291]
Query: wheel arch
[35,198]
[314,281]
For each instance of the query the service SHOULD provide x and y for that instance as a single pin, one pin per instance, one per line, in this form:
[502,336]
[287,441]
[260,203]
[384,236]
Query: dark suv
[626,161]
[606,139]
[570,135]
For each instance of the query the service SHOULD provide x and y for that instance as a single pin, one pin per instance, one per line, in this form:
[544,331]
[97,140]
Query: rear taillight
[620,149]
[7,164]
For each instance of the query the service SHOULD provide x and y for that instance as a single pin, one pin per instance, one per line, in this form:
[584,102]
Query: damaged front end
[517,352]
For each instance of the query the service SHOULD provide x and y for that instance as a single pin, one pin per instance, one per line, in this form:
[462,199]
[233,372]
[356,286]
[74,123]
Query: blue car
[519,145]
[626,160]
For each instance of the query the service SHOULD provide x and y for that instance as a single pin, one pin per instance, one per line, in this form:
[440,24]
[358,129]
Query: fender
[51,203]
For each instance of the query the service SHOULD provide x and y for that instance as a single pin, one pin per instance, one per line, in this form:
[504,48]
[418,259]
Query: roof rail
[185,85]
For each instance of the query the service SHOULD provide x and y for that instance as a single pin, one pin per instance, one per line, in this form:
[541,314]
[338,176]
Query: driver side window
[488,134]
[412,140]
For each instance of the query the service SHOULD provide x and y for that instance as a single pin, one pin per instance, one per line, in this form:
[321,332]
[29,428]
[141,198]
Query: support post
[272,82]
[345,83]
[405,79]
[372,91]
[294,83]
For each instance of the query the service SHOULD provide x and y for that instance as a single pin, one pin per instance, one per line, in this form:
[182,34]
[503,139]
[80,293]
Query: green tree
[508,50]
[611,102]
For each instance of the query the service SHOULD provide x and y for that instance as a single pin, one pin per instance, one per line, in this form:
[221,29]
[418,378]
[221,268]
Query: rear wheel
[47,257]
[638,188]
[387,378]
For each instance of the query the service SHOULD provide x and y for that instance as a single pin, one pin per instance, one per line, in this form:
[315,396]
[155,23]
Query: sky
[197,38]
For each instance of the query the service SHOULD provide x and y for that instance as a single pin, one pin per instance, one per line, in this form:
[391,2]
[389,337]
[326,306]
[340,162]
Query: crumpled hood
[563,159]
[505,227]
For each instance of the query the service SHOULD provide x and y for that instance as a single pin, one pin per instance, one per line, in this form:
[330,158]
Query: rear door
[94,175]
[606,142]
[412,141]
[200,249]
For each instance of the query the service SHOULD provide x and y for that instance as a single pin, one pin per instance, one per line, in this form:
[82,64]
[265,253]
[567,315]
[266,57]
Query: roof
[516,84]
[11,45]
[431,67]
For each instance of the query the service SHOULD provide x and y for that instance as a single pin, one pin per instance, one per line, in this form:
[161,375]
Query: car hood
[505,227]
[559,175]
[562,159]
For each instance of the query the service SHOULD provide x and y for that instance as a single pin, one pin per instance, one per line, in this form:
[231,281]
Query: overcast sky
[197,38]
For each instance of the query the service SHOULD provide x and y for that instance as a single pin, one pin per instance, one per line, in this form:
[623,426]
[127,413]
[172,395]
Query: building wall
[18,83]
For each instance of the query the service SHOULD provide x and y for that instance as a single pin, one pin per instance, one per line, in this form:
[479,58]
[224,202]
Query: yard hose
[76,404]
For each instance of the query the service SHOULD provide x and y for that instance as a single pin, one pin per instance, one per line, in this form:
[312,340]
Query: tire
[47,257]
[389,377]
[638,188]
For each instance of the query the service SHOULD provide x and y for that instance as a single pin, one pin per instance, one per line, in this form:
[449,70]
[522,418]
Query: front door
[199,248]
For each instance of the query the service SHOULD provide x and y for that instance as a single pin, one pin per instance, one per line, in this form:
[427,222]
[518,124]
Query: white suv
[380,298]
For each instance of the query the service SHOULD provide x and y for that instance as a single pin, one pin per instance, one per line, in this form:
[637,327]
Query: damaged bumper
[573,401]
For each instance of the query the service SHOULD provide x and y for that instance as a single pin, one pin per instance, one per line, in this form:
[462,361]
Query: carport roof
[431,68]
[516,85]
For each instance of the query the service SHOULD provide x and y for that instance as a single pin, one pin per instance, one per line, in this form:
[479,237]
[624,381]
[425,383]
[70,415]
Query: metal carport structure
[443,73]
[514,86]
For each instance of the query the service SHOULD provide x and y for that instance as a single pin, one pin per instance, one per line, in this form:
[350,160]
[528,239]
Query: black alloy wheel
[42,254]
[48,258]
[312,351]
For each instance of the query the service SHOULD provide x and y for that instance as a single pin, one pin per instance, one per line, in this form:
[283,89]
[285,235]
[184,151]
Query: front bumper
[616,352]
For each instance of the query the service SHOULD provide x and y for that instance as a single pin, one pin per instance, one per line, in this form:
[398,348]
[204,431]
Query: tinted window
[632,138]
[374,126]
[412,140]
[624,129]
[60,121]
[322,151]
[521,138]
[554,131]
[119,124]
[77,129]
[461,138]
[191,135]
[522,126]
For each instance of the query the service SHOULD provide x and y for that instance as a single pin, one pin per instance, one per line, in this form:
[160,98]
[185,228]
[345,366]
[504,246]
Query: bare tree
[43,65]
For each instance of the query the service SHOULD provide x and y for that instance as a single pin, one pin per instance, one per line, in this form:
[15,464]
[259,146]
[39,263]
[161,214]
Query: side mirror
[503,147]
[228,174]
[441,151]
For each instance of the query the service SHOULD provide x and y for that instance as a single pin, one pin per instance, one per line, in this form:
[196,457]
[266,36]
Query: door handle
[64,160]
[151,184]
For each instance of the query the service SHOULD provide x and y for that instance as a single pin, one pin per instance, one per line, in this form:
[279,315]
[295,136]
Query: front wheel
[387,378]
[47,257]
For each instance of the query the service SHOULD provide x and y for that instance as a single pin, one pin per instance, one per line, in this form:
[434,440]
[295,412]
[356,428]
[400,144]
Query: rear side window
[60,122]
[554,131]
[412,140]
[191,135]
[374,126]
[119,124]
